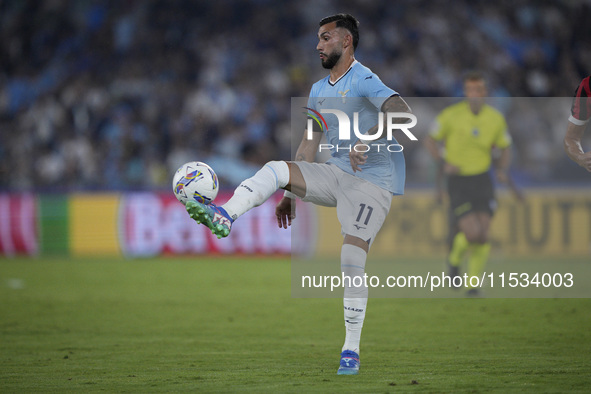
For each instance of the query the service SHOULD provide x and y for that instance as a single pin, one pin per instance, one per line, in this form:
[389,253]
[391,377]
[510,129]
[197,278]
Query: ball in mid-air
[195,181]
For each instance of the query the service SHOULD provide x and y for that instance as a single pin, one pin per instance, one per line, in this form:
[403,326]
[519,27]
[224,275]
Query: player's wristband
[289,194]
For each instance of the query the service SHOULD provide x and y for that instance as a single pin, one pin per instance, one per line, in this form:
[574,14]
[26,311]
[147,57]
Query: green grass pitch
[215,324]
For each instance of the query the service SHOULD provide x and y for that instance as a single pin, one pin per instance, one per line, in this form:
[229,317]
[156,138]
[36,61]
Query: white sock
[355,298]
[256,190]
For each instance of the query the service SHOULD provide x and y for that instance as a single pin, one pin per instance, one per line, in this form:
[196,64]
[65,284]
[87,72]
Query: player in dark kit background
[577,123]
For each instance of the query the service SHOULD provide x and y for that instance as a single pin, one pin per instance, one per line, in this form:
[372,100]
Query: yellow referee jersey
[469,138]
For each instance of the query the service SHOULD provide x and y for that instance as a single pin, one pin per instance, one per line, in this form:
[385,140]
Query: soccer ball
[195,181]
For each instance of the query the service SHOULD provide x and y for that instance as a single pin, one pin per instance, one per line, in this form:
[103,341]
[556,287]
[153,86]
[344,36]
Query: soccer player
[359,184]
[468,132]
[577,122]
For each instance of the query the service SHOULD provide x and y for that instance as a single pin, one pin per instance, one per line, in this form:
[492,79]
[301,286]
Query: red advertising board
[18,230]
[153,224]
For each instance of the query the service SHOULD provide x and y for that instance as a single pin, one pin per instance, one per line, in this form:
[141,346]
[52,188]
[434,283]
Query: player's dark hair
[345,21]
[474,76]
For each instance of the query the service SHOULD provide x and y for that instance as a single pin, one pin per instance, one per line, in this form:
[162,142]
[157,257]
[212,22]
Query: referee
[462,140]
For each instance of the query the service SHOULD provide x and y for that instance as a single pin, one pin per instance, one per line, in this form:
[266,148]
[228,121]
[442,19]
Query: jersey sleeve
[372,87]
[503,139]
[312,97]
[581,107]
[312,110]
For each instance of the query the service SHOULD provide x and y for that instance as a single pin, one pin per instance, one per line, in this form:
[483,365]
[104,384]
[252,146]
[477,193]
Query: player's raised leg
[249,194]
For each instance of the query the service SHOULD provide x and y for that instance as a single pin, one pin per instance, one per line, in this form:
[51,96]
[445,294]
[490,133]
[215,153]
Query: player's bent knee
[281,171]
[275,163]
[297,183]
[278,165]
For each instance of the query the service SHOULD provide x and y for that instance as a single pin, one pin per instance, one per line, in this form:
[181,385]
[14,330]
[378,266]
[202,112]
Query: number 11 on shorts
[360,215]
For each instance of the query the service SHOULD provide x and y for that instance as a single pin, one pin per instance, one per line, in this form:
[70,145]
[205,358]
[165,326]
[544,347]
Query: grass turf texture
[230,325]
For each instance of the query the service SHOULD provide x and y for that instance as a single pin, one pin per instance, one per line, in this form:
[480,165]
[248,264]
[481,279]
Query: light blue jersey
[359,90]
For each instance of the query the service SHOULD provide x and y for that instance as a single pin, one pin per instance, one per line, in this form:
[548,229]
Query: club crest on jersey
[344,94]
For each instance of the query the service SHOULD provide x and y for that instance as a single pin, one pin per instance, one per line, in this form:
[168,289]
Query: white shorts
[362,206]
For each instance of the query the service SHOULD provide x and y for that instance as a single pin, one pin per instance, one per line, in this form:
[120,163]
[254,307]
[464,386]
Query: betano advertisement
[550,223]
[134,225]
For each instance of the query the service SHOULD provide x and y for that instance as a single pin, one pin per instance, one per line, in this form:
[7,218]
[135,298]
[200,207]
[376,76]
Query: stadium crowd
[115,95]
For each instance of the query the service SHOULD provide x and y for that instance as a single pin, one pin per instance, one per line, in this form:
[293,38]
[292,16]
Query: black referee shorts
[472,193]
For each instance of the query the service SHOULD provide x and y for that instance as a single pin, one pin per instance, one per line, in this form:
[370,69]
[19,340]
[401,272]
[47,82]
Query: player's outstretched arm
[396,104]
[392,104]
[285,209]
[573,148]
[308,148]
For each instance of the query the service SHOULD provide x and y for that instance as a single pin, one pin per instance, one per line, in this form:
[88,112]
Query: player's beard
[331,60]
